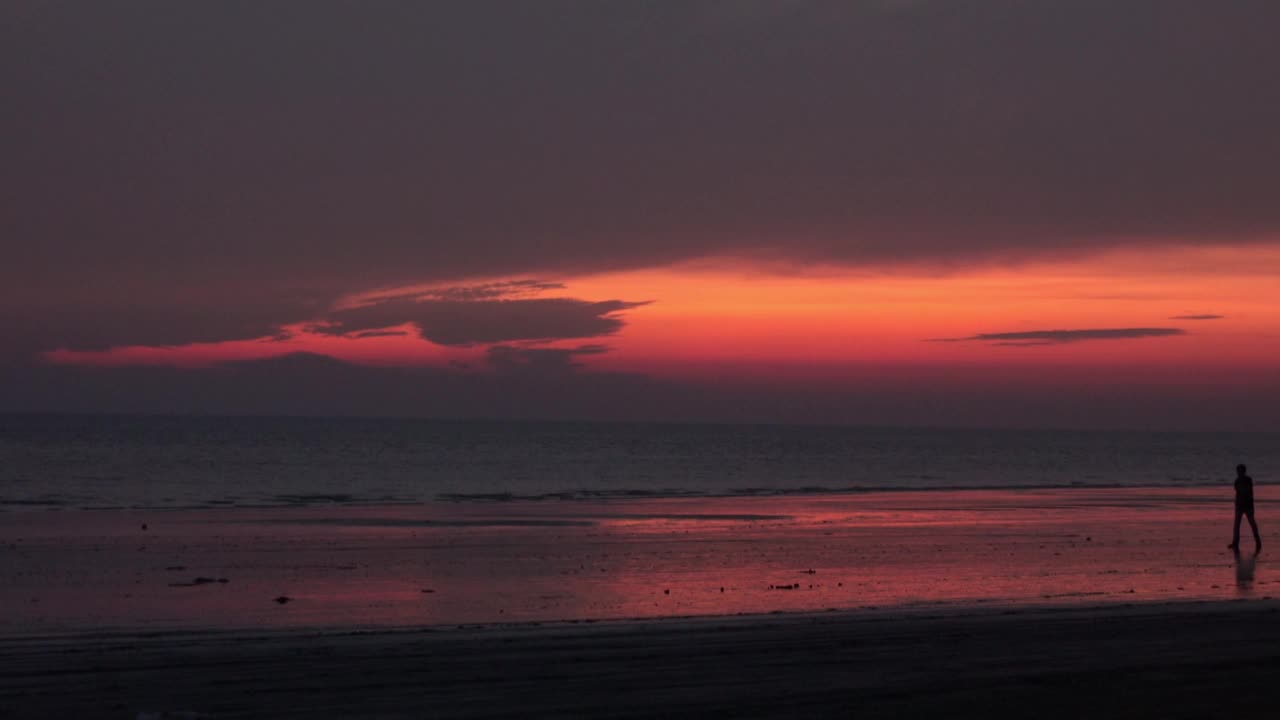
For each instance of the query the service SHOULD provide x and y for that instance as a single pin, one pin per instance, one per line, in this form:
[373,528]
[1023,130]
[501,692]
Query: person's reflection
[1245,568]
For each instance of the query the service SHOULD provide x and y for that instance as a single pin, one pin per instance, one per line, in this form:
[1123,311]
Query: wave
[351,499]
[676,493]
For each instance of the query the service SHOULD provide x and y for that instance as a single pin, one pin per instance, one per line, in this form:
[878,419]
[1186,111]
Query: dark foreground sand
[1181,660]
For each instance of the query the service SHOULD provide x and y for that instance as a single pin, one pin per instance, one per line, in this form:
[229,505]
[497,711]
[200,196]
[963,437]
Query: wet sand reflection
[458,562]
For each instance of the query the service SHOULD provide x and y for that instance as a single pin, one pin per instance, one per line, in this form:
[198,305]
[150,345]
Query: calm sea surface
[49,461]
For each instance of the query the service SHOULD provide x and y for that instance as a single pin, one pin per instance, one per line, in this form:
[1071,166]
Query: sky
[884,212]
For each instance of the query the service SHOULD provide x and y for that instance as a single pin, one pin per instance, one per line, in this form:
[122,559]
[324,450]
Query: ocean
[98,462]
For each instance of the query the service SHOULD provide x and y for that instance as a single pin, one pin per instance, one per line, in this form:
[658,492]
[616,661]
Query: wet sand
[462,563]
[1061,603]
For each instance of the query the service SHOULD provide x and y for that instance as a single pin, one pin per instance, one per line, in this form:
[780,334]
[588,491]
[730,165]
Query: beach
[896,602]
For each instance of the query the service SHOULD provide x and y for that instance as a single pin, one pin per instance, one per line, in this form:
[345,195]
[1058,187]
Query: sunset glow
[765,322]
[912,212]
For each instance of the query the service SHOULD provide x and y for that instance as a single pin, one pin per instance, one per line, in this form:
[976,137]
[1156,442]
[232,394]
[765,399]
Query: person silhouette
[1244,507]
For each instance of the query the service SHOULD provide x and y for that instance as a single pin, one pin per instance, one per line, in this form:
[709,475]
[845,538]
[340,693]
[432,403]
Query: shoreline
[623,496]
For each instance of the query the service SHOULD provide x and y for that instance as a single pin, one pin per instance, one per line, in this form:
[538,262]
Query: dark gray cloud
[1198,317]
[40,327]
[479,322]
[1057,337]
[153,147]
[457,315]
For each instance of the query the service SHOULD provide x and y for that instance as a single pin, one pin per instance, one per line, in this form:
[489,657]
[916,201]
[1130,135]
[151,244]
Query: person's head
[1241,470]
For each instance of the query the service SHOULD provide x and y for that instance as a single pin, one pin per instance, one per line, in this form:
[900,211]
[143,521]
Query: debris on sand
[201,581]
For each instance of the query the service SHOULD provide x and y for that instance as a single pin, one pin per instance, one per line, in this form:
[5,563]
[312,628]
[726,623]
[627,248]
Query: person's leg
[1235,532]
[1253,524]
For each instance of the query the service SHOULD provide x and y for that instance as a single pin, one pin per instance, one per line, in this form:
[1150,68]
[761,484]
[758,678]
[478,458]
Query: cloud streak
[1198,317]
[1029,338]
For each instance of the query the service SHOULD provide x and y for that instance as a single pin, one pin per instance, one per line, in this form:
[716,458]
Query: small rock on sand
[200,581]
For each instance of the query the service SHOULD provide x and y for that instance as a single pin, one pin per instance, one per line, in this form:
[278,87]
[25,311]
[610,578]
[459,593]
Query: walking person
[1244,508]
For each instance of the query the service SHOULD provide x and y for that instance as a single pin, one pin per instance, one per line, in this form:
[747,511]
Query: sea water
[87,461]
